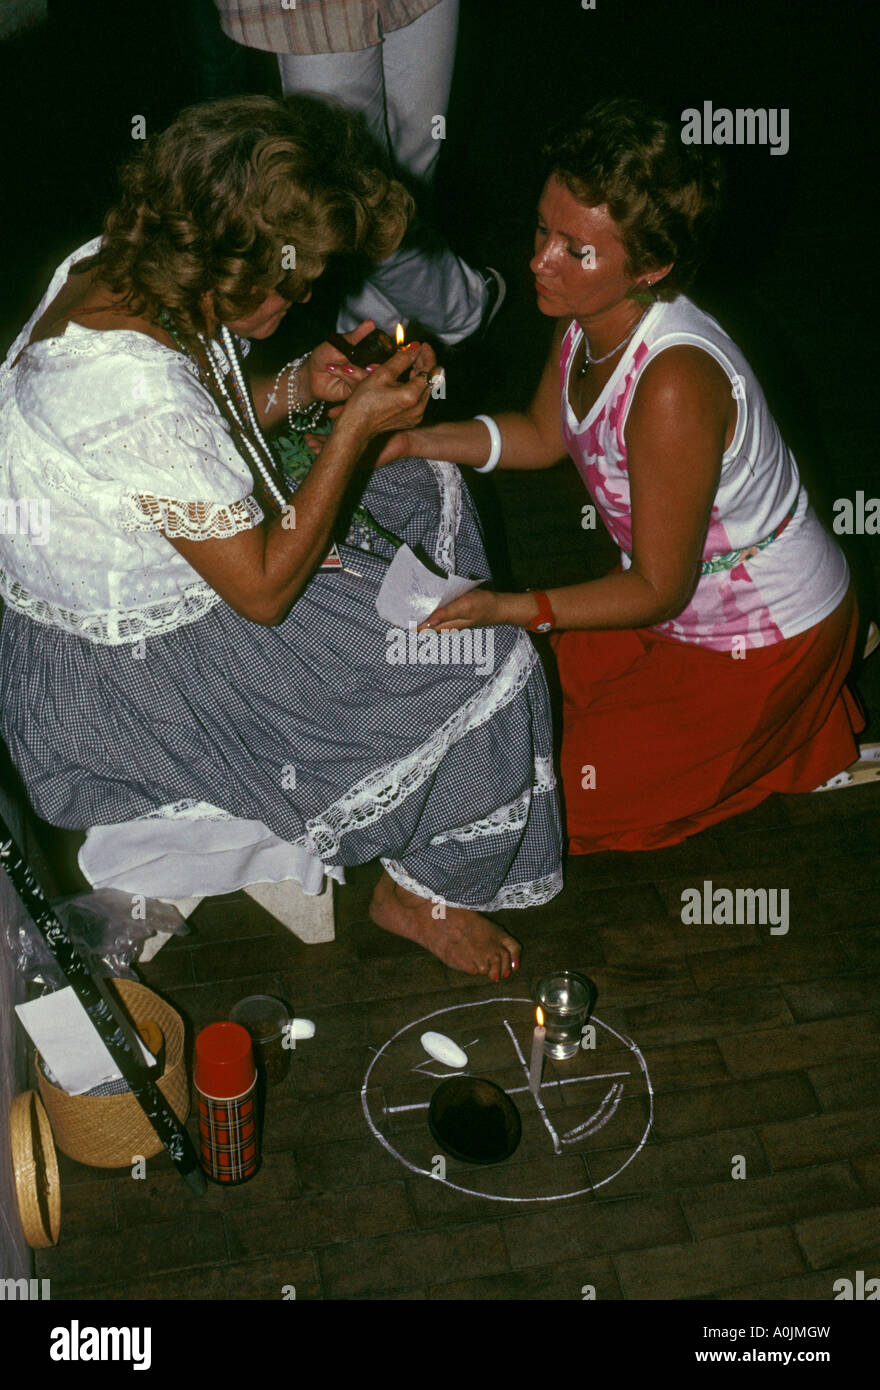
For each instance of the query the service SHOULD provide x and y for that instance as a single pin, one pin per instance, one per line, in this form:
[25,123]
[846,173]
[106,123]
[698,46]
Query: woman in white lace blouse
[179,639]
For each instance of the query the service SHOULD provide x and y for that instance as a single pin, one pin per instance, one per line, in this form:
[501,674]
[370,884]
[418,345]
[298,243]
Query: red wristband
[545,619]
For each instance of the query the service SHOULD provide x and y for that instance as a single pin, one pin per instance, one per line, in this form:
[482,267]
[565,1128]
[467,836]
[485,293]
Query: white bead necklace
[271,486]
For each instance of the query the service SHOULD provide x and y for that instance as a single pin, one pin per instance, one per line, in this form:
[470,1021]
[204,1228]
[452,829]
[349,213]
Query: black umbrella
[72,965]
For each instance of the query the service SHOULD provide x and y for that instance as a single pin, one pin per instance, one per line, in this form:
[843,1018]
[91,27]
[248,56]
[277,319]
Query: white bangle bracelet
[495,451]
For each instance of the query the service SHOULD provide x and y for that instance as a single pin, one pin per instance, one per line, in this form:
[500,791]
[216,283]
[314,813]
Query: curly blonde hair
[214,205]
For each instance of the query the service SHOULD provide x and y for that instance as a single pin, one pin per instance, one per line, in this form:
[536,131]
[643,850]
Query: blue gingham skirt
[442,771]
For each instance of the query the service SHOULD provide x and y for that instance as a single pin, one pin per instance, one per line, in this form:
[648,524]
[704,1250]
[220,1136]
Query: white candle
[536,1070]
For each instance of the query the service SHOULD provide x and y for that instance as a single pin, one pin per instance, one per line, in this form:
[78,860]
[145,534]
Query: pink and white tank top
[782,589]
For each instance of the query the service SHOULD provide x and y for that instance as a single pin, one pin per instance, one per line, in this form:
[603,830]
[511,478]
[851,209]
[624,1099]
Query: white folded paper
[66,1039]
[410,591]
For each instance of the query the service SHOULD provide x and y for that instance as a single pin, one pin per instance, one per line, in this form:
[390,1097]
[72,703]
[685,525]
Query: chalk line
[510,1091]
[583,1131]
[557,1147]
[491,1196]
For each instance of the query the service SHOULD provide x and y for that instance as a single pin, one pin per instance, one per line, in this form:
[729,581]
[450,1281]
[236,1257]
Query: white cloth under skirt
[196,851]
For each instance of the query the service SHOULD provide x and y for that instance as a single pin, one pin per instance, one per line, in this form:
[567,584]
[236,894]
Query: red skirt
[663,738]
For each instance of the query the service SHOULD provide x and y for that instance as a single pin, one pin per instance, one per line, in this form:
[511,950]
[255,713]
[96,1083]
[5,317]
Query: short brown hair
[662,194]
[211,204]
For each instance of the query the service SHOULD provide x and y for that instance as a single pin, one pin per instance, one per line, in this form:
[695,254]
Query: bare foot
[463,939]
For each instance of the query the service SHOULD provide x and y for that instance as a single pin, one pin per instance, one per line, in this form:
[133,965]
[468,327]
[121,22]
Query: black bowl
[473,1120]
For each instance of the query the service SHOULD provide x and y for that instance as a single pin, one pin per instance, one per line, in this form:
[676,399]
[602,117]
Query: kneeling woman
[708,670]
[173,645]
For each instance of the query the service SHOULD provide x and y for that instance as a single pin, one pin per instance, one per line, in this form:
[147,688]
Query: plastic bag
[103,929]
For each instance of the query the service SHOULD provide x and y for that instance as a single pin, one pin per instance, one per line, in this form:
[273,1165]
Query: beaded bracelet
[308,415]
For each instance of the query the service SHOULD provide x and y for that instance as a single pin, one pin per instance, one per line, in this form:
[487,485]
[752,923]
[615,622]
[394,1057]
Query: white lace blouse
[108,441]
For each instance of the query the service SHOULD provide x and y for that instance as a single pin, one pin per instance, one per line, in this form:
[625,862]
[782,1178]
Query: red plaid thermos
[226,1082]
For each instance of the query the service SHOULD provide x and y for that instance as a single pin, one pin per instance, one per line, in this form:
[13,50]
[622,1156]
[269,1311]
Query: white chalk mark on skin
[492,1196]
[511,1090]
[557,1147]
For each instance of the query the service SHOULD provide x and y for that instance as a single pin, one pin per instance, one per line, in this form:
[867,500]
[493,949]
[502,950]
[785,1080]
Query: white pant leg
[355,79]
[417,62]
[422,280]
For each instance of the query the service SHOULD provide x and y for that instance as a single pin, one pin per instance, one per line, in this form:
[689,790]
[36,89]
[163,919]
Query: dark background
[70,91]
[790,273]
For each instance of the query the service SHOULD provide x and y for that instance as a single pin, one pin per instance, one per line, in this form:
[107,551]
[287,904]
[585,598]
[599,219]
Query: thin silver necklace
[594,361]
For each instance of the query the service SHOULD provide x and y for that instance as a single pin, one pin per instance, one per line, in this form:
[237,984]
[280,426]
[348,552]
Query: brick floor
[765,1050]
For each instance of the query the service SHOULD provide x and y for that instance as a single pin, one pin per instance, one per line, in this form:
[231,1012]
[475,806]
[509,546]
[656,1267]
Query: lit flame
[400,335]
[539,1015]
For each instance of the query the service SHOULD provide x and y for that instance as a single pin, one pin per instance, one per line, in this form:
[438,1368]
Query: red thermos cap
[224,1061]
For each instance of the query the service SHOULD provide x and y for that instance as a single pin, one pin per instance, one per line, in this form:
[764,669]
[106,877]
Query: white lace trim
[449,484]
[512,817]
[545,777]
[381,792]
[531,894]
[194,521]
[187,810]
[116,628]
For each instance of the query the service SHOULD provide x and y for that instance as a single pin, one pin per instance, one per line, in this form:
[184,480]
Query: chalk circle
[401,1079]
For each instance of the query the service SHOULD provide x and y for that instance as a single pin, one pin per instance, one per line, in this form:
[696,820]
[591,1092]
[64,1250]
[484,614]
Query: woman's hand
[381,403]
[327,374]
[403,444]
[343,381]
[477,608]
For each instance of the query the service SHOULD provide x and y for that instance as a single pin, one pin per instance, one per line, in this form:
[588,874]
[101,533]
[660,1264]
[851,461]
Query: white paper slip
[66,1040]
[410,591]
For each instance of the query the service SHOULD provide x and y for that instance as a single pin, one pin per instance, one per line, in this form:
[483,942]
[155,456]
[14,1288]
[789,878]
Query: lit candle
[536,1070]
